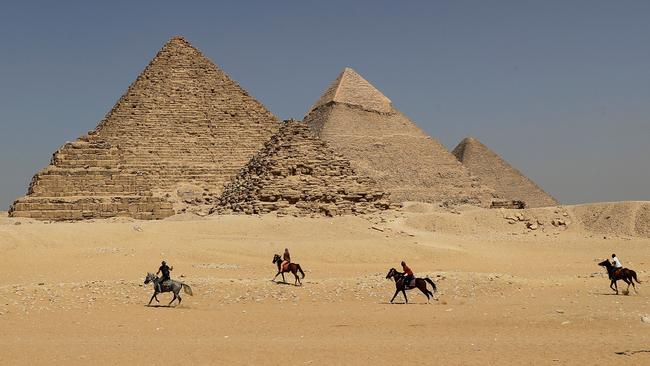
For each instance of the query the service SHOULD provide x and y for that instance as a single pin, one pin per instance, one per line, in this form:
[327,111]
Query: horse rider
[286,259]
[616,263]
[165,274]
[408,274]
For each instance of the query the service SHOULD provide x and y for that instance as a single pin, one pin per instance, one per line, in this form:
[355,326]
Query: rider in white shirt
[615,262]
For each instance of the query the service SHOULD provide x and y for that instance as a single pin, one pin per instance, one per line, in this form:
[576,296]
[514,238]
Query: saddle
[411,284]
[617,272]
[166,285]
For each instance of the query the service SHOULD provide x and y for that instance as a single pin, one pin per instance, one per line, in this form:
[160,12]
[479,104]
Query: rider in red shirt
[409,274]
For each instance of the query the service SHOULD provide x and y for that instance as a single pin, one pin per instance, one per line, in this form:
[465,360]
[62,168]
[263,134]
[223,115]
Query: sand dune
[515,286]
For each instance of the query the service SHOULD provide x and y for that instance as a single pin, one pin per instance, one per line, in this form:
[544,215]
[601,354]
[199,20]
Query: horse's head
[391,273]
[150,277]
[276,258]
[605,263]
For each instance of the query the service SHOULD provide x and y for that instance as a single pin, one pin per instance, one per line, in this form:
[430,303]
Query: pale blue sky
[561,89]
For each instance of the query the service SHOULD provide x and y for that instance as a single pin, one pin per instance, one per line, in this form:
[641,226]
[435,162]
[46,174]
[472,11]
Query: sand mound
[621,219]
[615,218]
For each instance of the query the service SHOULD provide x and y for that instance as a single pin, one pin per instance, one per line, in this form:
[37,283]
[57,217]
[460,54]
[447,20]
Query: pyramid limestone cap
[466,143]
[351,88]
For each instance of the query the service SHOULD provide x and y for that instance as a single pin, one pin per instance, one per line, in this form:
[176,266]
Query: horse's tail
[432,284]
[634,276]
[300,270]
[187,289]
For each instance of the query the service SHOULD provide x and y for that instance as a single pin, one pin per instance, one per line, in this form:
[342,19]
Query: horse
[420,284]
[615,274]
[292,267]
[170,286]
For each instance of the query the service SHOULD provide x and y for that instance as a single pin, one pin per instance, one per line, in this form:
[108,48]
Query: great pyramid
[508,182]
[358,121]
[296,173]
[177,135]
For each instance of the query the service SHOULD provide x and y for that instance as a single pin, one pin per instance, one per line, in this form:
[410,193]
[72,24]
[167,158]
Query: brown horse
[420,284]
[292,267]
[615,274]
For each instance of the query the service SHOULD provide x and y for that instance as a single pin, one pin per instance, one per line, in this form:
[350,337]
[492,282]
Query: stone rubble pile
[298,174]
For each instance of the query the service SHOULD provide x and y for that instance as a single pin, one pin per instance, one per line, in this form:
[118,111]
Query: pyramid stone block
[297,173]
[507,182]
[183,122]
[358,121]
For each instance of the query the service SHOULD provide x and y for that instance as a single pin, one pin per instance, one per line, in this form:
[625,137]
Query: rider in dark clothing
[165,274]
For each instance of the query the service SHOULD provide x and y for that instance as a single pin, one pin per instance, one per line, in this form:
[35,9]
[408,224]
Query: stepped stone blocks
[298,174]
[496,173]
[182,126]
[358,121]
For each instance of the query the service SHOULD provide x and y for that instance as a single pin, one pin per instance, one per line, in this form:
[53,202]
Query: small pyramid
[177,135]
[298,174]
[358,121]
[507,182]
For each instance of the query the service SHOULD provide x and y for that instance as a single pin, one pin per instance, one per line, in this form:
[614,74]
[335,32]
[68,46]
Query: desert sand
[72,293]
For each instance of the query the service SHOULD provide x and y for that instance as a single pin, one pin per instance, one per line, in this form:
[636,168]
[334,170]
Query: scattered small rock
[645,319]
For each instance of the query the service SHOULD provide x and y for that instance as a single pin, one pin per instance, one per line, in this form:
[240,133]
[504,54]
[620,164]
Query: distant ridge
[358,121]
[507,182]
[182,123]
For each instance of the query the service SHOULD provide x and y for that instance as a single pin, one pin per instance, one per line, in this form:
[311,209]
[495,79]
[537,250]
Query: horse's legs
[297,278]
[405,298]
[179,298]
[152,297]
[172,299]
[425,291]
[283,279]
[615,286]
[396,292]
[276,275]
[633,285]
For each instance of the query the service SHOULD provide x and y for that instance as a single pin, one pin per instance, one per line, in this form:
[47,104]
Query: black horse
[420,284]
[615,274]
[292,267]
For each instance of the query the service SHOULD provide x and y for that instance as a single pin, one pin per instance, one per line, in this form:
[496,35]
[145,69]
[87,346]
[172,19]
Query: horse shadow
[284,283]
[161,306]
[403,303]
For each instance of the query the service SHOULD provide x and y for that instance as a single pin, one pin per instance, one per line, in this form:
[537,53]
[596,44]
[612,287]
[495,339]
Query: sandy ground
[72,293]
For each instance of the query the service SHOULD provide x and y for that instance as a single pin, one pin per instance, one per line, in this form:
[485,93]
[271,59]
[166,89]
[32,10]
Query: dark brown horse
[420,284]
[292,267]
[615,274]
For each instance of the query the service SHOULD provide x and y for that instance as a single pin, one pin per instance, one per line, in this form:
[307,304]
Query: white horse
[170,286]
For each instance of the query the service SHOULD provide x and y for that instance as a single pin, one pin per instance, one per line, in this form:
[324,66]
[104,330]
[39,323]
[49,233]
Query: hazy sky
[560,89]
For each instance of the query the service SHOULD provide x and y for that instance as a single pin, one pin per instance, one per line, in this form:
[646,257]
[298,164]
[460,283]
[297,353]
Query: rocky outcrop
[298,174]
